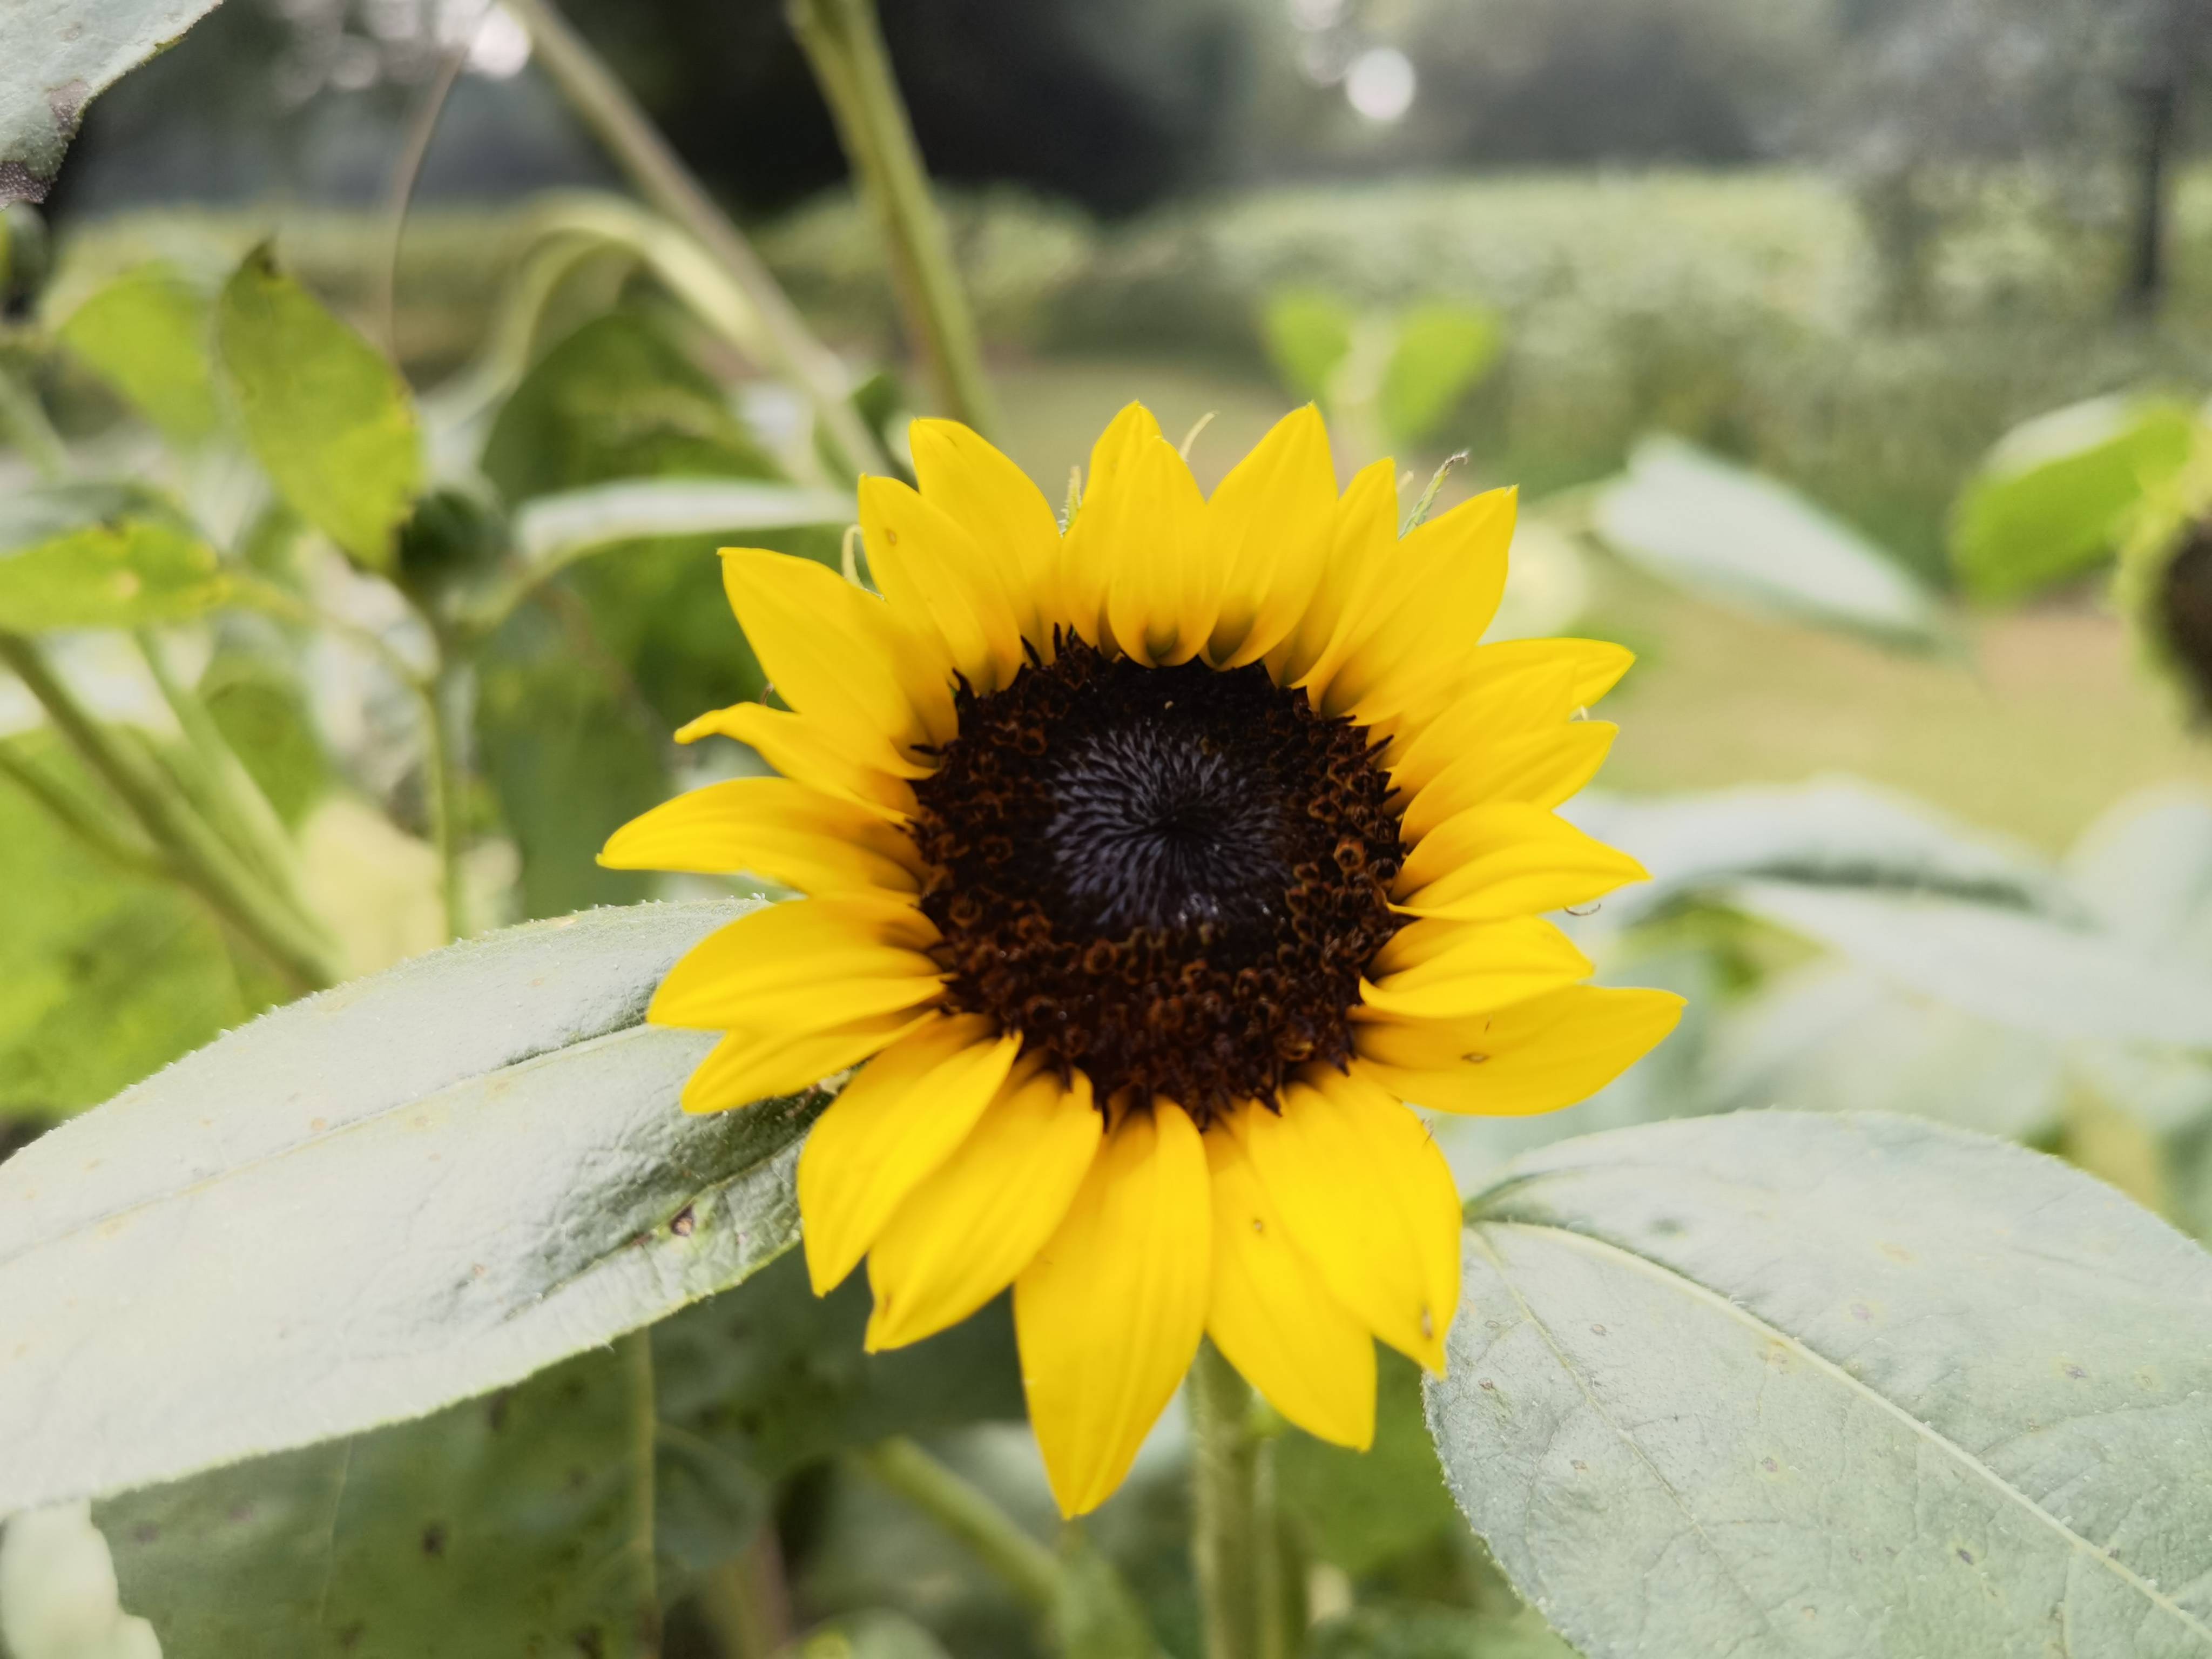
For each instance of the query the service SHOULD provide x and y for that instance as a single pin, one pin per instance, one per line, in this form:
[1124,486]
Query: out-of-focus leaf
[1097,1616]
[867,1636]
[2025,971]
[2053,498]
[59,55]
[327,416]
[108,977]
[777,1377]
[554,530]
[148,334]
[1442,349]
[57,1591]
[384,1198]
[498,1526]
[1796,1383]
[616,400]
[1357,1509]
[706,1504]
[1832,832]
[571,753]
[1308,334]
[1403,1630]
[2145,869]
[264,719]
[101,555]
[1717,529]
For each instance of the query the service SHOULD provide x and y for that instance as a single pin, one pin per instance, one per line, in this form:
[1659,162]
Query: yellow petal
[1540,771]
[1535,1056]
[1508,860]
[1504,711]
[1009,517]
[1273,1315]
[963,1235]
[892,1127]
[1089,552]
[1443,589]
[1110,1314]
[773,827]
[1268,525]
[1163,586]
[1452,970]
[1363,541]
[1596,665]
[851,956]
[835,652]
[1368,1198]
[749,1066]
[933,576]
[805,752]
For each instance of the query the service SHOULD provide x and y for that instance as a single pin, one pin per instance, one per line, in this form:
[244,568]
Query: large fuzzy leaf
[392,1196]
[1783,1384]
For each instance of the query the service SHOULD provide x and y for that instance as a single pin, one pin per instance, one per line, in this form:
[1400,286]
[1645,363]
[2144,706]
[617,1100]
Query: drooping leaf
[498,1526]
[450,1175]
[1697,522]
[1308,334]
[1795,1383]
[1443,349]
[2031,973]
[59,55]
[101,555]
[327,416]
[778,1378]
[2054,495]
[148,334]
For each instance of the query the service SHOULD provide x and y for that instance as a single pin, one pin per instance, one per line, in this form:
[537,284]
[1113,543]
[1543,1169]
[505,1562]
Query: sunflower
[1150,870]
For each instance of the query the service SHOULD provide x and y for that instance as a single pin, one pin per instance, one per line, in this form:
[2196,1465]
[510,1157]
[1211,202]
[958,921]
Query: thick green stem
[81,821]
[1026,1567]
[611,113]
[645,1425]
[844,44]
[1233,1545]
[290,941]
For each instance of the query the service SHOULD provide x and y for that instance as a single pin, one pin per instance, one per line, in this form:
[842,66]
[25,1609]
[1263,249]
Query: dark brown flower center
[1171,879]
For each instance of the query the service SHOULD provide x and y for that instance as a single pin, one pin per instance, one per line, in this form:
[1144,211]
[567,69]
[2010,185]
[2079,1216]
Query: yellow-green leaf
[146,334]
[327,416]
[101,555]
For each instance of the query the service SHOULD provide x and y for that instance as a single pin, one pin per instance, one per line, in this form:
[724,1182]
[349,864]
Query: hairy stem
[611,113]
[845,46]
[1233,1541]
[203,862]
[1026,1567]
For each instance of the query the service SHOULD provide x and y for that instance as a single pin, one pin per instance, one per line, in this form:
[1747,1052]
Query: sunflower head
[1150,870]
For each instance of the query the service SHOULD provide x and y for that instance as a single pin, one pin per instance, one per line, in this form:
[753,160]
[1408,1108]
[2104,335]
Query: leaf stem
[81,821]
[441,767]
[644,1426]
[607,109]
[203,862]
[1234,1546]
[745,1600]
[844,44]
[1026,1567]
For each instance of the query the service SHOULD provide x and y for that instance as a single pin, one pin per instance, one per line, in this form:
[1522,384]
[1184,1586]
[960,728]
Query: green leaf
[557,529]
[778,1378]
[327,416]
[2031,973]
[383,1199]
[147,333]
[1308,335]
[617,400]
[495,1527]
[1695,521]
[60,54]
[101,555]
[1443,349]
[264,718]
[1410,1631]
[867,1636]
[2054,495]
[1794,1384]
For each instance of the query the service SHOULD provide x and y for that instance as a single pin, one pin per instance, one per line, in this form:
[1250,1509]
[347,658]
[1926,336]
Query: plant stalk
[607,109]
[1026,1567]
[844,44]
[1234,1546]
[81,821]
[745,1600]
[441,731]
[203,862]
